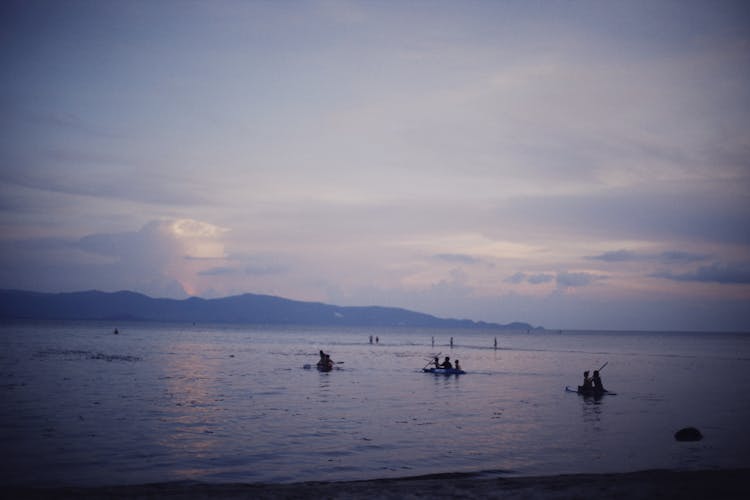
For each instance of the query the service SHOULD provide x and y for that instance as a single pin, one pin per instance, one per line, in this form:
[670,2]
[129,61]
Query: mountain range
[244,309]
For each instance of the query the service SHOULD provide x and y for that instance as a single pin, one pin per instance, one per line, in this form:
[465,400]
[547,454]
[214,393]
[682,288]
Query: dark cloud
[153,243]
[135,260]
[677,256]
[516,278]
[616,256]
[572,280]
[538,279]
[668,257]
[533,279]
[456,258]
[714,273]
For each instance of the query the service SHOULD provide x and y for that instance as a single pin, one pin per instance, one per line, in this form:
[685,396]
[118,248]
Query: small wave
[78,354]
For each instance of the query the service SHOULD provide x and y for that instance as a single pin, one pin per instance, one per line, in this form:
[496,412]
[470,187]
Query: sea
[83,406]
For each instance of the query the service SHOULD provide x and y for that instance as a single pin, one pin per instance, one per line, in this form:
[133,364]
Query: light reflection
[192,406]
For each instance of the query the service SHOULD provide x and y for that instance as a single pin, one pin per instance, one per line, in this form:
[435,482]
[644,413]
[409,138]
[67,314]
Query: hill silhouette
[247,308]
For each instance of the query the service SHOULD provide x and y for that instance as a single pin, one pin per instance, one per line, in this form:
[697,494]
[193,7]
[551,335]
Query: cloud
[159,241]
[725,274]
[667,257]
[218,271]
[163,258]
[456,258]
[264,270]
[695,213]
[574,280]
[677,256]
[563,279]
[81,173]
[533,279]
[516,278]
[356,145]
[538,279]
[246,265]
[616,256]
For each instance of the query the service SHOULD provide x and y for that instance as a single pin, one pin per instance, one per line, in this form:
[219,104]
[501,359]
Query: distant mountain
[247,308]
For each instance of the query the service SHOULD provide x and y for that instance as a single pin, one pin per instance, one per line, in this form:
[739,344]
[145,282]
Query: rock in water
[688,434]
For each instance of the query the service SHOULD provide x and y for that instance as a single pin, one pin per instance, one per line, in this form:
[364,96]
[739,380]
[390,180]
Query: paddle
[432,360]
[600,369]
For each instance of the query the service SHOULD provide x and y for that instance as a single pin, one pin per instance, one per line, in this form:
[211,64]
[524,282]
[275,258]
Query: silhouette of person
[596,381]
[587,384]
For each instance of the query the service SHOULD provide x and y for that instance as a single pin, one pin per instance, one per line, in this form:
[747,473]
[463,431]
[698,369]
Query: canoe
[589,392]
[443,371]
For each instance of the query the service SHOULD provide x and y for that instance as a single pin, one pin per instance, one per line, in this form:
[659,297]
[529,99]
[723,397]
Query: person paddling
[587,384]
[596,381]
[447,363]
[325,362]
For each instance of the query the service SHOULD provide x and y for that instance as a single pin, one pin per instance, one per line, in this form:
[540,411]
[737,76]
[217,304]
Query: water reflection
[591,407]
[235,405]
[324,385]
[190,411]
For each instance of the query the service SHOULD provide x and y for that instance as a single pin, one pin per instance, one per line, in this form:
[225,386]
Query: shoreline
[662,484]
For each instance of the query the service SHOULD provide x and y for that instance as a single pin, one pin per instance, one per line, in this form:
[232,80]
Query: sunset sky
[571,164]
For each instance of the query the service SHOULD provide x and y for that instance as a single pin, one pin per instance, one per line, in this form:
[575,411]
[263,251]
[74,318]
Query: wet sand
[661,484]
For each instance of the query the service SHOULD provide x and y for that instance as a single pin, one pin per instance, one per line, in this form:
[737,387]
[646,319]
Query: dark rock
[688,434]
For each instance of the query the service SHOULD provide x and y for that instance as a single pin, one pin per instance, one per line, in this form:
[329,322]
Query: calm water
[82,406]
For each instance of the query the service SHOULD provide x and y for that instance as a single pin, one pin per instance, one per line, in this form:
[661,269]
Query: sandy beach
[662,484]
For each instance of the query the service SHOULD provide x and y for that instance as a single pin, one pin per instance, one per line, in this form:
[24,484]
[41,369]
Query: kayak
[443,371]
[589,392]
[322,367]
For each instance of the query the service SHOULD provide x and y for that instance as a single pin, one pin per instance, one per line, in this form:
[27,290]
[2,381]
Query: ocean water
[82,406]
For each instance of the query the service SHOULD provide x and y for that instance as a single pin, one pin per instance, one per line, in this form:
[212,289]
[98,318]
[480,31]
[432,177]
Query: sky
[570,164]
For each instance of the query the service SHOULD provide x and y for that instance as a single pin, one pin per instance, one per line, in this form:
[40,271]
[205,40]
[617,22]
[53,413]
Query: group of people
[446,363]
[592,384]
[325,362]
